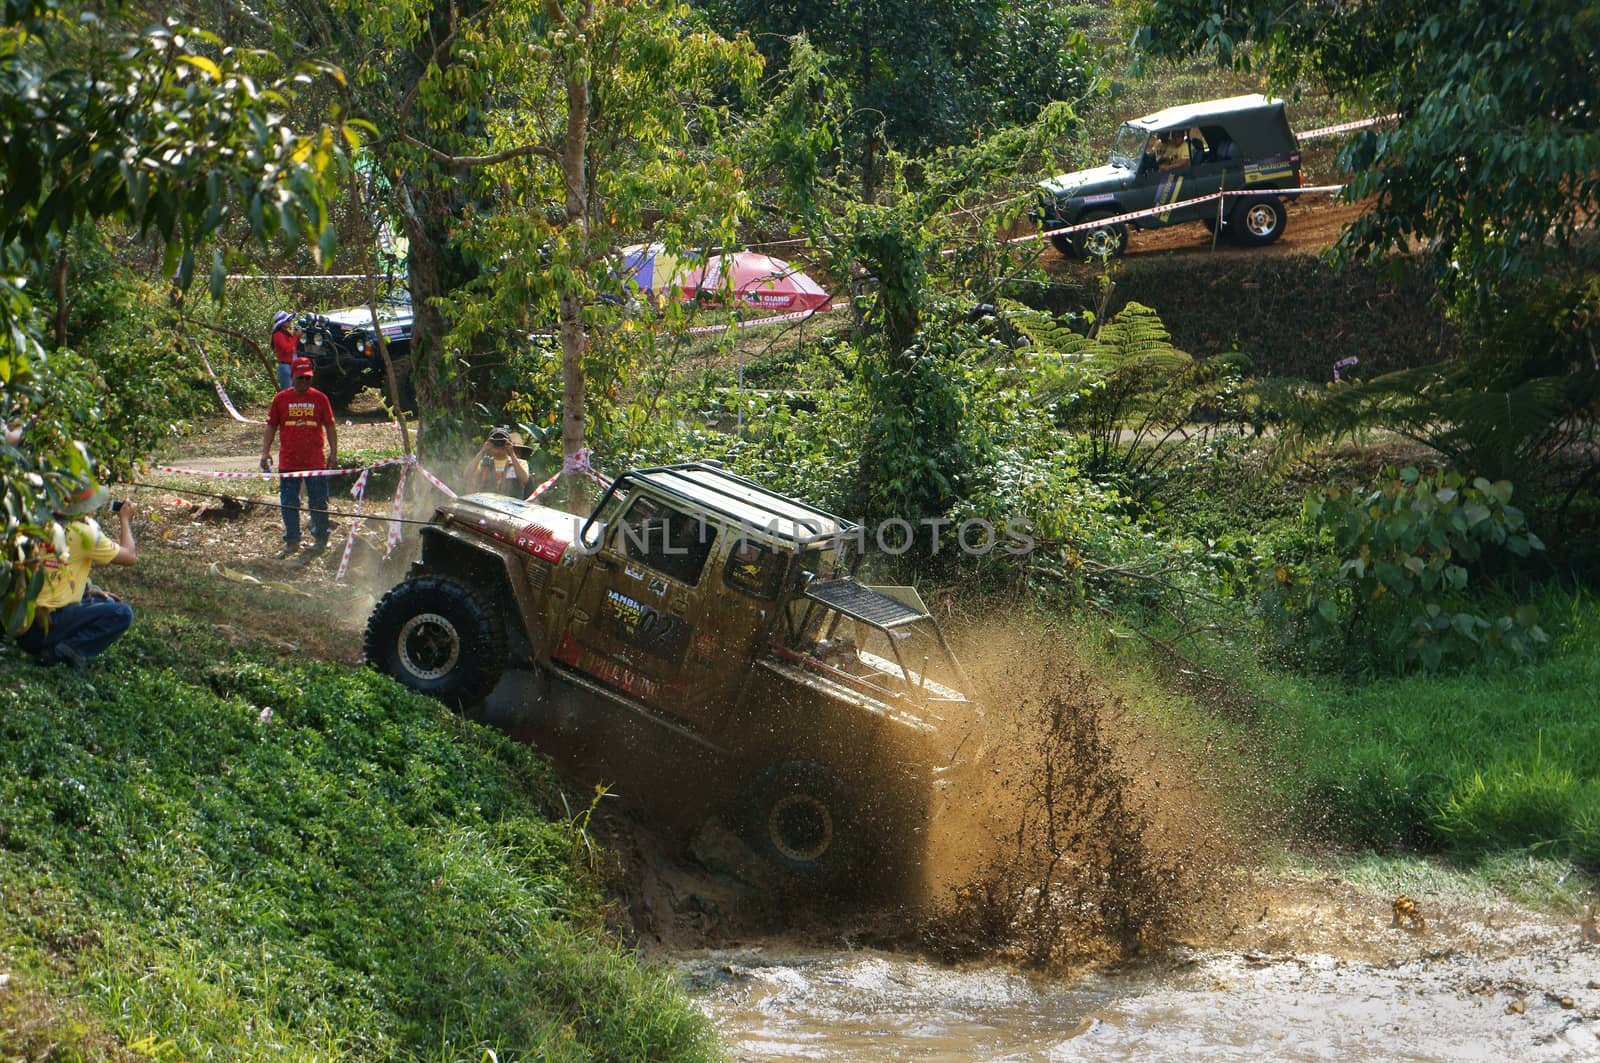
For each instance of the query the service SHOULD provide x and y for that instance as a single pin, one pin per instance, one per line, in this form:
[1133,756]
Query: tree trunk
[61,299]
[574,336]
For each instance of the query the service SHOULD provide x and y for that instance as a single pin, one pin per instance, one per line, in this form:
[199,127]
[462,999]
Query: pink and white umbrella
[758,281]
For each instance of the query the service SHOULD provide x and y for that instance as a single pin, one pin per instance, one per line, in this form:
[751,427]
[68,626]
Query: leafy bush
[230,856]
[1394,590]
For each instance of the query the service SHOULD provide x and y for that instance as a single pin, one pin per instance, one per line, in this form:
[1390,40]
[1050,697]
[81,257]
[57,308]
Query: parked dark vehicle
[341,346]
[713,624]
[1178,154]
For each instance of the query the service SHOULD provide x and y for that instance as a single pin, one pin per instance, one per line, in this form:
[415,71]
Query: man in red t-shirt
[302,413]
[285,345]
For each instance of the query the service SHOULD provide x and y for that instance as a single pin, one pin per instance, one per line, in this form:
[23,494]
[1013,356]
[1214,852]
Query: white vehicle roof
[1189,113]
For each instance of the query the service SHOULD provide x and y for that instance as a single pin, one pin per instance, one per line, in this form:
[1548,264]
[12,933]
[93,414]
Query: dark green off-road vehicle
[714,625]
[1243,143]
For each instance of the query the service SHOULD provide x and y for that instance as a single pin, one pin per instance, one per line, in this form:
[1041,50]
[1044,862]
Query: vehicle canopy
[1257,124]
[758,513]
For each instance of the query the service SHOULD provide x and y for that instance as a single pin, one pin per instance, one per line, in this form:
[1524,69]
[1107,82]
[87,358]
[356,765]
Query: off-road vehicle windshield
[1128,149]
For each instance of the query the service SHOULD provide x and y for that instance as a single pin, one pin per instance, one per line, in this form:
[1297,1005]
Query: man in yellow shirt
[73,620]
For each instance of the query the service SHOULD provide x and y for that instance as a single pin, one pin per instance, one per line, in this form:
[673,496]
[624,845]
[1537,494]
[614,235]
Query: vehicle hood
[1079,182]
[534,529]
[361,317]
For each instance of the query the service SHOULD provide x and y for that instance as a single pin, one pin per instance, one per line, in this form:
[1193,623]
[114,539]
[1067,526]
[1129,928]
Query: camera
[116,506]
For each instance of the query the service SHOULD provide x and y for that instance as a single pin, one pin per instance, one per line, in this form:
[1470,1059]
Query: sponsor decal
[541,542]
[1273,171]
[607,671]
[644,627]
[1101,197]
[1167,193]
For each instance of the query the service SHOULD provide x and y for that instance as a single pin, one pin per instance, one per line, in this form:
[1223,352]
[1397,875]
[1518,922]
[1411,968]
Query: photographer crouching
[74,620]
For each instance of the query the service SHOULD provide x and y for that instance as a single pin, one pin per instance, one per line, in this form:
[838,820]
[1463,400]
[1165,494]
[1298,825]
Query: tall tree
[920,243]
[165,129]
[923,74]
[523,141]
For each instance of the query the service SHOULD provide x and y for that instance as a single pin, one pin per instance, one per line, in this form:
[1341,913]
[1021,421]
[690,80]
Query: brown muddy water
[1529,995]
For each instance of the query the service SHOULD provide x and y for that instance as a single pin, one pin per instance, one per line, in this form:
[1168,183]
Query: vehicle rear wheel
[1258,221]
[1107,242]
[439,637]
[799,815]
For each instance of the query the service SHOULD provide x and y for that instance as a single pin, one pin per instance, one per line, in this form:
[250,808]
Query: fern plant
[1127,392]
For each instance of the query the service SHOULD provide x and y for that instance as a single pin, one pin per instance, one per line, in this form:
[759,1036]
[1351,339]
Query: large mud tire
[1258,222]
[439,637]
[1099,245]
[803,818]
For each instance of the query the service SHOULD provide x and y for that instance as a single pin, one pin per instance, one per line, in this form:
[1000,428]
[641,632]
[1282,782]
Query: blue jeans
[80,631]
[316,502]
[285,375]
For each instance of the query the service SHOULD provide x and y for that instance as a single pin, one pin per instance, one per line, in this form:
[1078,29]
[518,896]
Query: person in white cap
[285,344]
[73,620]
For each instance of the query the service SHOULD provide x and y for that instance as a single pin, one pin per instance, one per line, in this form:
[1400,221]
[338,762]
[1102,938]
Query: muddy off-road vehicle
[1178,154]
[342,349]
[714,625]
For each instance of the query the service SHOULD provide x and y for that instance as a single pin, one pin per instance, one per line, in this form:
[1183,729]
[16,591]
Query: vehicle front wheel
[799,815]
[1062,244]
[1258,221]
[1106,242]
[439,637]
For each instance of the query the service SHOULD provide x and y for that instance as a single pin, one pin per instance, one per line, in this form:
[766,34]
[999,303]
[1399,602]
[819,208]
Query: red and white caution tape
[215,474]
[395,520]
[1346,127]
[578,463]
[222,394]
[758,322]
[358,491]
[435,481]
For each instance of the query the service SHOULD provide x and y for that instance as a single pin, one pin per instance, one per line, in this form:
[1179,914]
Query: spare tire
[802,817]
[440,637]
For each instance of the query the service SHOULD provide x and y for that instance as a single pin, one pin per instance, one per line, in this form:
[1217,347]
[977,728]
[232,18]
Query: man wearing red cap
[302,413]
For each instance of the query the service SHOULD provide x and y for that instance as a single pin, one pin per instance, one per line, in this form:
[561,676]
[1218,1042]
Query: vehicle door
[1186,179]
[740,600]
[1211,155]
[639,603]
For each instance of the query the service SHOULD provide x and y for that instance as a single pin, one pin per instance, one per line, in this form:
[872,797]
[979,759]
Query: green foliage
[1524,404]
[1394,590]
[914,457]
[227,855]
[1493,757]
[166,130]
[925,75]
[1126,391]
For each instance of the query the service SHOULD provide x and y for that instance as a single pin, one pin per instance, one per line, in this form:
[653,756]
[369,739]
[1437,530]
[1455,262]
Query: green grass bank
[207,851]
[1475,764]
